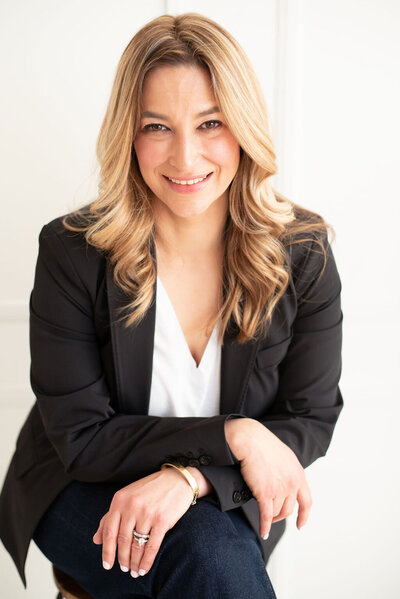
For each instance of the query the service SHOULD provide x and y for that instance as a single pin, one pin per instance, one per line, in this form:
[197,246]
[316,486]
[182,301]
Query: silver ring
[140,538]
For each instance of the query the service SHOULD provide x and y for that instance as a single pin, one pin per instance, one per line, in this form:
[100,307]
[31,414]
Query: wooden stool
[68,588]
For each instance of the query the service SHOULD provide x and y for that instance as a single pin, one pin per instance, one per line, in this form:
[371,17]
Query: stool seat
[68,587]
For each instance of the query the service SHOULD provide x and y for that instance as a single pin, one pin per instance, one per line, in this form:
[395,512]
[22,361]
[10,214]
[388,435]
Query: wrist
[184,472]
[178,479]
[205,487]
[238,434]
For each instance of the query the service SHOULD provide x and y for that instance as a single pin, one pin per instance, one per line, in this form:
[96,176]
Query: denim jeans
[208,554]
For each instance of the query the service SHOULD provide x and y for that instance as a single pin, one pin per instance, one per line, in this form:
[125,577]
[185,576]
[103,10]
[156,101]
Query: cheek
[226,153]
[149,154]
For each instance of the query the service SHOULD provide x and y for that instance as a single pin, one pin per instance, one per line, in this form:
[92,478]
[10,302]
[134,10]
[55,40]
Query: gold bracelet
[191,479]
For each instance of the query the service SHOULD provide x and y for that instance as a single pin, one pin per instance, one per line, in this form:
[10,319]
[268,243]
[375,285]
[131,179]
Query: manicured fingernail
[265,537]
[142,572]
[124,569]
[134,574]
[106,566]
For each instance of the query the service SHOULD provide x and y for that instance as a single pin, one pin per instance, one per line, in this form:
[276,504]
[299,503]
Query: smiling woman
[185,331]
[183,155]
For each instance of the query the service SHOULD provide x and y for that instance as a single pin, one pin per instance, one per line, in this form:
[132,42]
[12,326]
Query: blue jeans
[208,554]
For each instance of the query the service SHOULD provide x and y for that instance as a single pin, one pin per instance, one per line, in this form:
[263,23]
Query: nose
[184,152]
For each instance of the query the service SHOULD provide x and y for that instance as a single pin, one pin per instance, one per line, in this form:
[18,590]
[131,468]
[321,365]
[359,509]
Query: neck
[190,237]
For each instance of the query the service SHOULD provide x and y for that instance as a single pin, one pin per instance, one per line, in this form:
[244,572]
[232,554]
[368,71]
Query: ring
[140,538]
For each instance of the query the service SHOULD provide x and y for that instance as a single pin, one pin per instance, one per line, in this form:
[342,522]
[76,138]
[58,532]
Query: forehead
[177,86]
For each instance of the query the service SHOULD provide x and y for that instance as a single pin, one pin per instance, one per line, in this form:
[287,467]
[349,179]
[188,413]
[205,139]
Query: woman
[185,341]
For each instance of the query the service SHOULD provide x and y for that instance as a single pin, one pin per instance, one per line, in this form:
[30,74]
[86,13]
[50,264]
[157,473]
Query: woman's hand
[271,471]
[153,504]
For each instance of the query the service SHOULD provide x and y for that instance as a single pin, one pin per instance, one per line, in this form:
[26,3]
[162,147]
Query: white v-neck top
[178,386]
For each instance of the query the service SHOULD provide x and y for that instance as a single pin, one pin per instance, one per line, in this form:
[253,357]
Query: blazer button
[194,463]
[204,460]
[246,494]
[237,497]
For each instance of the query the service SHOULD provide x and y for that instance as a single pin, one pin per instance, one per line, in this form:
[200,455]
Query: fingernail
[134,574]
[106,566]
[124,569]
[142,572]
[265,537]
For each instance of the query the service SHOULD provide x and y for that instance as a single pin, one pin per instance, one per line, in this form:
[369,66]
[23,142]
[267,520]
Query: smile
[188,181]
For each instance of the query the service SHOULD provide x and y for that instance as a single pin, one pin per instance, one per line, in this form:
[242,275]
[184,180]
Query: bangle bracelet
[191,479]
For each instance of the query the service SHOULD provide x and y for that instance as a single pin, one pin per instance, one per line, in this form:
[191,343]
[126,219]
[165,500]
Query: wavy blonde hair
[260,221]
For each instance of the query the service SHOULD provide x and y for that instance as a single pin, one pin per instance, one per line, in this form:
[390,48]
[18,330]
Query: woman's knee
[205,550]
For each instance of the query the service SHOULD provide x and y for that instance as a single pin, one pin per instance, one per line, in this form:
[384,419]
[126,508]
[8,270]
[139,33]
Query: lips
[190,180]
[188,186]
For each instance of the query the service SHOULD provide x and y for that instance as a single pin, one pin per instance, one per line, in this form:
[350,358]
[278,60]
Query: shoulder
[68,251]
[56,227]
[309,252]
[57,233]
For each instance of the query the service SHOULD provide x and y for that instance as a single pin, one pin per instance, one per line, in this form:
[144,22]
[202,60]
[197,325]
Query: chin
[188,208]
[189,212]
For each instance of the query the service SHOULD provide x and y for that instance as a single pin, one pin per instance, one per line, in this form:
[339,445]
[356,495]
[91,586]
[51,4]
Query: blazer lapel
[133,357]
[237,361]
[132,351]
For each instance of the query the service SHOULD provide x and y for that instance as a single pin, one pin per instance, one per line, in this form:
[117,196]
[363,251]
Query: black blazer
[91,378]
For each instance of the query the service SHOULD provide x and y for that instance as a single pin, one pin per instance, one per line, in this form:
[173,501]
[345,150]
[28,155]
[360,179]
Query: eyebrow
[156,115]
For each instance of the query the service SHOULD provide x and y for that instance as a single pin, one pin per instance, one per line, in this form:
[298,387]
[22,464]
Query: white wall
[329,71]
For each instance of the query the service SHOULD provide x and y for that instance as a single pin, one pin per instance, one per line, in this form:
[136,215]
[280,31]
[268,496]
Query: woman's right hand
[271,470]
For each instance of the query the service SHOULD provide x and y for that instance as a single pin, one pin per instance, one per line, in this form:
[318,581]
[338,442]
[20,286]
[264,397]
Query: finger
[151,549]
[137,551]
[98,535]
[110,534]
[266,514]
[286,509]
[124,543]
[305,502]
[278,503]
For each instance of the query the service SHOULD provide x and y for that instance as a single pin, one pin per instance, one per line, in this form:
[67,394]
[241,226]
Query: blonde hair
[260,222]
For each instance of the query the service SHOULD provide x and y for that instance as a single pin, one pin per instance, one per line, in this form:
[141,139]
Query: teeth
[189,182]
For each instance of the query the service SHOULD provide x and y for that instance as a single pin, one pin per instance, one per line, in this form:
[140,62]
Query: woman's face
[186,153]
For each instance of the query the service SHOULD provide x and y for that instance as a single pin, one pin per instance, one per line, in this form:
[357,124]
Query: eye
[154,127]
[211,125]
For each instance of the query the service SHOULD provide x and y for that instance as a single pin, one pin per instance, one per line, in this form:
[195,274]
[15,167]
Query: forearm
[307,438]
[100,445]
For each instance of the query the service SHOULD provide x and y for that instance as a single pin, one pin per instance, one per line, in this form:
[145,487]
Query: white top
[178,386]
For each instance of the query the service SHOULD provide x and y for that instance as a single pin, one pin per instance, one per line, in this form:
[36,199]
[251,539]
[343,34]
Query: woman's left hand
[153,504]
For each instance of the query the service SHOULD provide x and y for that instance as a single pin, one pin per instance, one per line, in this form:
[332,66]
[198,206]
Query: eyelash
[149,130]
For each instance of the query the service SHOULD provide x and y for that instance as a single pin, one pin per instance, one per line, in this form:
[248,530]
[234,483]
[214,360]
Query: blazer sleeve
[93,441]
[308,402]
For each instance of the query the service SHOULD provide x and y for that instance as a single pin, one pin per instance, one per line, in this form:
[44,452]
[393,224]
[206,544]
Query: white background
[329,70]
